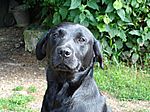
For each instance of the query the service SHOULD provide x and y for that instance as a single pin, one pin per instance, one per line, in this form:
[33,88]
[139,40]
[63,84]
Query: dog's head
[69,47]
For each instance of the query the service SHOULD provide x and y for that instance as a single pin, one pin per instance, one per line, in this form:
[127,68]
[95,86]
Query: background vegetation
[122,26]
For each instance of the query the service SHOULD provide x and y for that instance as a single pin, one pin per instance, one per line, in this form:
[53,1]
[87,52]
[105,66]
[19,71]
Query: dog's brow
[79,34]
[61,31]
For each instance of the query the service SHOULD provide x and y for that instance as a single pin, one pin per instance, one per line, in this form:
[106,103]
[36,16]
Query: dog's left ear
[41,47]
[98,54]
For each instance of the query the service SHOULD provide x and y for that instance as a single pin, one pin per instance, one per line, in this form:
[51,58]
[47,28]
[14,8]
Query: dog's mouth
[66,68]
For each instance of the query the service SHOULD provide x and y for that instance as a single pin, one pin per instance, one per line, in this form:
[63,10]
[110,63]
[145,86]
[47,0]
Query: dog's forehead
[75,29]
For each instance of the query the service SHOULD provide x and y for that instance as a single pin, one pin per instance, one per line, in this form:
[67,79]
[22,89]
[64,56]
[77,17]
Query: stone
[31,37]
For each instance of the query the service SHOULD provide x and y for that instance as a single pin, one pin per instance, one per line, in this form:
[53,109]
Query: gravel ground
[20,68]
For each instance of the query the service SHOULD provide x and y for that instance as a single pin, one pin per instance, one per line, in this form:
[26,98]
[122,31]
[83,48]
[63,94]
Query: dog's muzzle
[64,52]
[65,60]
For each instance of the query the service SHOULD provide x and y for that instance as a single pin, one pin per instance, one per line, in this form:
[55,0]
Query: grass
[18,88]
[17,102]
[123,82]
[32,89]
[141,110]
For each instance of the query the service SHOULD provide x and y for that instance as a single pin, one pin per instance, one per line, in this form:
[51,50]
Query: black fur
[71,50]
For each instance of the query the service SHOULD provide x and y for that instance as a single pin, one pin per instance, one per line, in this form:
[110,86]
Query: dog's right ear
[41,47]
[98,54]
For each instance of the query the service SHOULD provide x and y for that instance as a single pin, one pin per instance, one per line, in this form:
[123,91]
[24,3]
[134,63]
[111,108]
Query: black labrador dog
[71,50]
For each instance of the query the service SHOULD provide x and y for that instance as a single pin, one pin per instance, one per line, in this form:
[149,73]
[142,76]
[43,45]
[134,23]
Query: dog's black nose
[64,52]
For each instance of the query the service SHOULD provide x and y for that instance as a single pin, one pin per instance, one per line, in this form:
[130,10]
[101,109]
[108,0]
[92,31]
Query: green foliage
[123,26]
[32,89]
[16,103]
[18,88]
[123,82]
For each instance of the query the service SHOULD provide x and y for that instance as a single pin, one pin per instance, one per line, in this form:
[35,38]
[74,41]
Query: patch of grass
[142,110]
[16,102]
[18,88]
[32,89]
[123,82]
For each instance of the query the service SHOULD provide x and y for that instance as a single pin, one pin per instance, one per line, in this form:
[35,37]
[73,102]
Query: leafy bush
[123,26]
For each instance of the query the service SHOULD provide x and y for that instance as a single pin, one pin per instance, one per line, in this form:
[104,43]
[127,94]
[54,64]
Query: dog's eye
[61,33]
[58,34]
[81,39]
[55,35]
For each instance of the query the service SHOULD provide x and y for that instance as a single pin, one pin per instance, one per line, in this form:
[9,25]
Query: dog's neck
[63,88]
[73,79]
[64,76]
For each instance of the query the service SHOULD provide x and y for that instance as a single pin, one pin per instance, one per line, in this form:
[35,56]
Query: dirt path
[18,67]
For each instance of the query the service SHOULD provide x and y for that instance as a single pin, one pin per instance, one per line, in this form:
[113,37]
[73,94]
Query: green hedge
[122,26]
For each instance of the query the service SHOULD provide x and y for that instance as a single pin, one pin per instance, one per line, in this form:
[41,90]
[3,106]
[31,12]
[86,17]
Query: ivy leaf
[75,4]
[82,17]
[127,54]
[47,21]
[63,12]
[129,45]
[139,1]
[44,11]
[85,23]
[99,18]
[108,50]
[109,8]
[92,4]
[82,8]
[106,19]
[146,43]
[90,16]
[121,14]
[128,9]
[104,1]
[135,57]
[101,27]
[122,35]
[135,32]
[133,3]
[56,18]
[73,14]
[76,19]
[117,4]
[104,43]
[111,16]
[112,31]
[148,23]
[146,36]
[128,19]
[67,3]
[140,41]
[119,44]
